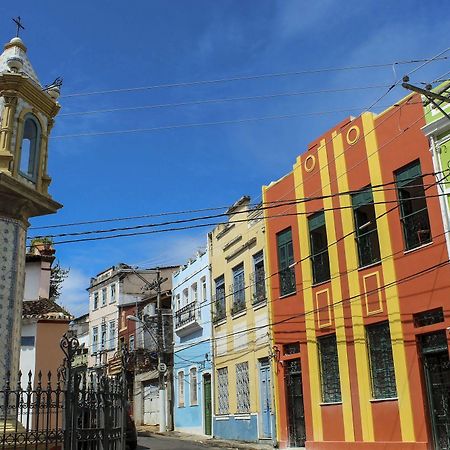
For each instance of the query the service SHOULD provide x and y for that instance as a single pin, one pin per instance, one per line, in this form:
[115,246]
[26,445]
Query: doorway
[207,406]
[295,408]
[436,370]
[265,400]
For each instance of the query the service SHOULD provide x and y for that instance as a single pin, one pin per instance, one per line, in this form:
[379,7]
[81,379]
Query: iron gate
[66,411]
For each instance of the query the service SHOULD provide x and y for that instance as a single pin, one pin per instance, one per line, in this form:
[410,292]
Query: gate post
[69,345]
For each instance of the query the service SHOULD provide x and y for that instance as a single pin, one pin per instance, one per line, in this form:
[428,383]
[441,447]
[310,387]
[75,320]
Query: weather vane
[18,24]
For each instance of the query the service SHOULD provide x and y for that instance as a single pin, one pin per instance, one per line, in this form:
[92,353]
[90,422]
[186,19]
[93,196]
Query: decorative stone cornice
[29,91]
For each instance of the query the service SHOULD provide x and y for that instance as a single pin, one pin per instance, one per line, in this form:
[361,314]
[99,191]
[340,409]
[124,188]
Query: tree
[57,276]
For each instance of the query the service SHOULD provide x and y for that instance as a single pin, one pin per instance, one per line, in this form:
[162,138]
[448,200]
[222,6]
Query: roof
[44,309]
[16,50]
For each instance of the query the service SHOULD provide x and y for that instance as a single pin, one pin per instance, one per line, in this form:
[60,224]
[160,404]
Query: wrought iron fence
[68,410]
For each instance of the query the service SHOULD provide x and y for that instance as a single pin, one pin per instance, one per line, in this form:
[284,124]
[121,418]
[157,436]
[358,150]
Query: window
[113,293]
[242,388]
[319,247]
[193,385]
[238,289]
[204,289]
[194,293]
[103,296]
[29,152]
[103,336]
[329,369]
[185,297]
[381,361]
[121,342]
[112,335]
[95,300]
[222,390]
[178,301]
[27,341]
[94,340]
[285,261]
[366,227]
[219,304]
[259,278]
[131,343]
[413,206]
[181,389]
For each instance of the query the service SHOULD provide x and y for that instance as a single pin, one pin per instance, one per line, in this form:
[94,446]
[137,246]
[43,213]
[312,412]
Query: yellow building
[242,380]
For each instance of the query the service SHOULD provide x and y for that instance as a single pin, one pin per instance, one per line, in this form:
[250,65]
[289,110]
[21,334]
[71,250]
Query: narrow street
[167,443]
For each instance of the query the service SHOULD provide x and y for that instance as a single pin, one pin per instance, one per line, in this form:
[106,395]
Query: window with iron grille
[242,388]
[193,385]
[329,369]
[222,390]
[319,247]
[259,278]
[219,303]
[181,388]
[381,361]
[366,227]
[112,335]
[413,206]
[238,289]
[285,261]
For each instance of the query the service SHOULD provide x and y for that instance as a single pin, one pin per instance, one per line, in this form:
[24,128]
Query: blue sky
[98,46]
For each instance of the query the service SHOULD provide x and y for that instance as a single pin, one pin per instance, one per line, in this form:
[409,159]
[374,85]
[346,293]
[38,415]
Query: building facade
[243,398]
[360,291]
[191,306]
[437,129]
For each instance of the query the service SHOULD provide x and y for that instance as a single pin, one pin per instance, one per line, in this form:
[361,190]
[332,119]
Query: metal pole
[161,358]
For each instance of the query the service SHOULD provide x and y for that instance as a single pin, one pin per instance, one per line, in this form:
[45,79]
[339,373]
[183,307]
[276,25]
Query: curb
[209,441]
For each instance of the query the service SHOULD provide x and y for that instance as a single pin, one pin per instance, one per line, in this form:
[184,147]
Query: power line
[214,216]
[250,77]
[202,124]
[222,100]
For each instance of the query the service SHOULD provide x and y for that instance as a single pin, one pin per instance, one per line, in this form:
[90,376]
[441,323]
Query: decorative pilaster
[6,131]
[12,279]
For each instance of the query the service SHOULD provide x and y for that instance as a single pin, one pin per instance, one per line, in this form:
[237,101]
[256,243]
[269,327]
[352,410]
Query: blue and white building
[191,304]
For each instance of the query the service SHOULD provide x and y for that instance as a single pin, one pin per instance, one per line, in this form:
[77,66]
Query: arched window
[29,153]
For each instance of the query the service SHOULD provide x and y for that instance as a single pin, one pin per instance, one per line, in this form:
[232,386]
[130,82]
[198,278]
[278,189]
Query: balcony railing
[237,289]
[186,315]
[258,280]
[287,281]
[220,311]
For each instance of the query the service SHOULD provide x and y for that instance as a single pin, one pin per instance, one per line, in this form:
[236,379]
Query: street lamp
[161,365]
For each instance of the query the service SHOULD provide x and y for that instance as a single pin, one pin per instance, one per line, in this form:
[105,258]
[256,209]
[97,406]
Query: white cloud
[73,294]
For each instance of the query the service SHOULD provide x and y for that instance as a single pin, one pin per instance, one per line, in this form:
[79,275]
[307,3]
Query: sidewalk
[207,441]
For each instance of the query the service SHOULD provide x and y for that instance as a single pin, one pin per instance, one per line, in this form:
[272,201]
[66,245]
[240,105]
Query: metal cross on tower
[18,25]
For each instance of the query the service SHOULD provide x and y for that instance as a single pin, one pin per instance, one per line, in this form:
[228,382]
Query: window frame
[112,293]
[374,355]
[181,389]
[223,398]
[321,253]
[401,184]
[238,289]
[104,296]
[95,301]
[242,388]
[358,201]
[193,386]
[220,300]
[331,391]
[112,335]
[259,278]
[285,255]
[94,340]
[35,149]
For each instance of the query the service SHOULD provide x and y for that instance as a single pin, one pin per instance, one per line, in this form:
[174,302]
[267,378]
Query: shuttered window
[285,261]
[319,247]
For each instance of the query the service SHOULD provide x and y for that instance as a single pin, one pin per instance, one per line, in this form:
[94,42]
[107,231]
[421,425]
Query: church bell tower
[27,112]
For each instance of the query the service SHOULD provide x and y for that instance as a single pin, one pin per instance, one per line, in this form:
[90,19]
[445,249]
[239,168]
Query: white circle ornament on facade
[162,367]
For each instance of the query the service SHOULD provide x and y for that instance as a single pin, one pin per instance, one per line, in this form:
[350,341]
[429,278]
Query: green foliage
[57,276]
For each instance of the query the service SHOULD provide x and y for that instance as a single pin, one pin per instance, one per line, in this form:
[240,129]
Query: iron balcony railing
[287,281]
[237,289]
[220,311]
[258,280]
[186,315]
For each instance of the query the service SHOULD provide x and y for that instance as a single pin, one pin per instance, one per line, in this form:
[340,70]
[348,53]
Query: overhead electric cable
[249,77]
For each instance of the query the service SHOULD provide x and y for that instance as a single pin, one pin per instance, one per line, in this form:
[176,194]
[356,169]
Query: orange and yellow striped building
[360,289]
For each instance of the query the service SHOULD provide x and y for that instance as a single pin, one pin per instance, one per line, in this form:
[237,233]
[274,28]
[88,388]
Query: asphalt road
[166,443]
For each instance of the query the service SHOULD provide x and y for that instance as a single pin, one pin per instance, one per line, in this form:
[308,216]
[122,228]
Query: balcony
[187,319]
[258,282]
